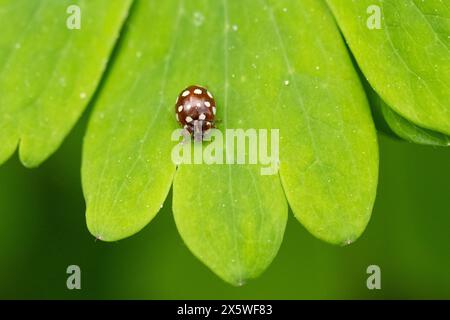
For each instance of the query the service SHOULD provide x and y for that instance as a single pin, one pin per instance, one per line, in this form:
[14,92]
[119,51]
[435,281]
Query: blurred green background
[42,231]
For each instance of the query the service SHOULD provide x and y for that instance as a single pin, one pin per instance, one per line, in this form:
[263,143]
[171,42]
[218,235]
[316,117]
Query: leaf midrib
[299,99]
[230,184]
[160,104]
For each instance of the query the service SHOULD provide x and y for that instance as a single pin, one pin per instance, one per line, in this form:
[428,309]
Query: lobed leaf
[48,72]
[231,216]
[127,169]
[270,65]
[407,60]
[329,156]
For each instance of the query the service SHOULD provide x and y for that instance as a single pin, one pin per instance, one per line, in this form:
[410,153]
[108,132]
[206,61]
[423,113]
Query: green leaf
[230,216]
[48,72]
[127,166]
[328,143]
[127,169]
[395,126]
[407,61]
[329,156]
[406,129]
[270,65]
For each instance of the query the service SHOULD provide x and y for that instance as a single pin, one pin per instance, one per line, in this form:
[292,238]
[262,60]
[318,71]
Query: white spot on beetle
[214,110]
[207,104]
[202,116]
[209,94]
[180,108]
[188,119]
[185,93]
[198,91]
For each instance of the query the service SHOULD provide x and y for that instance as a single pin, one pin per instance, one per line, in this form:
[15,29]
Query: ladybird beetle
[195,110]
